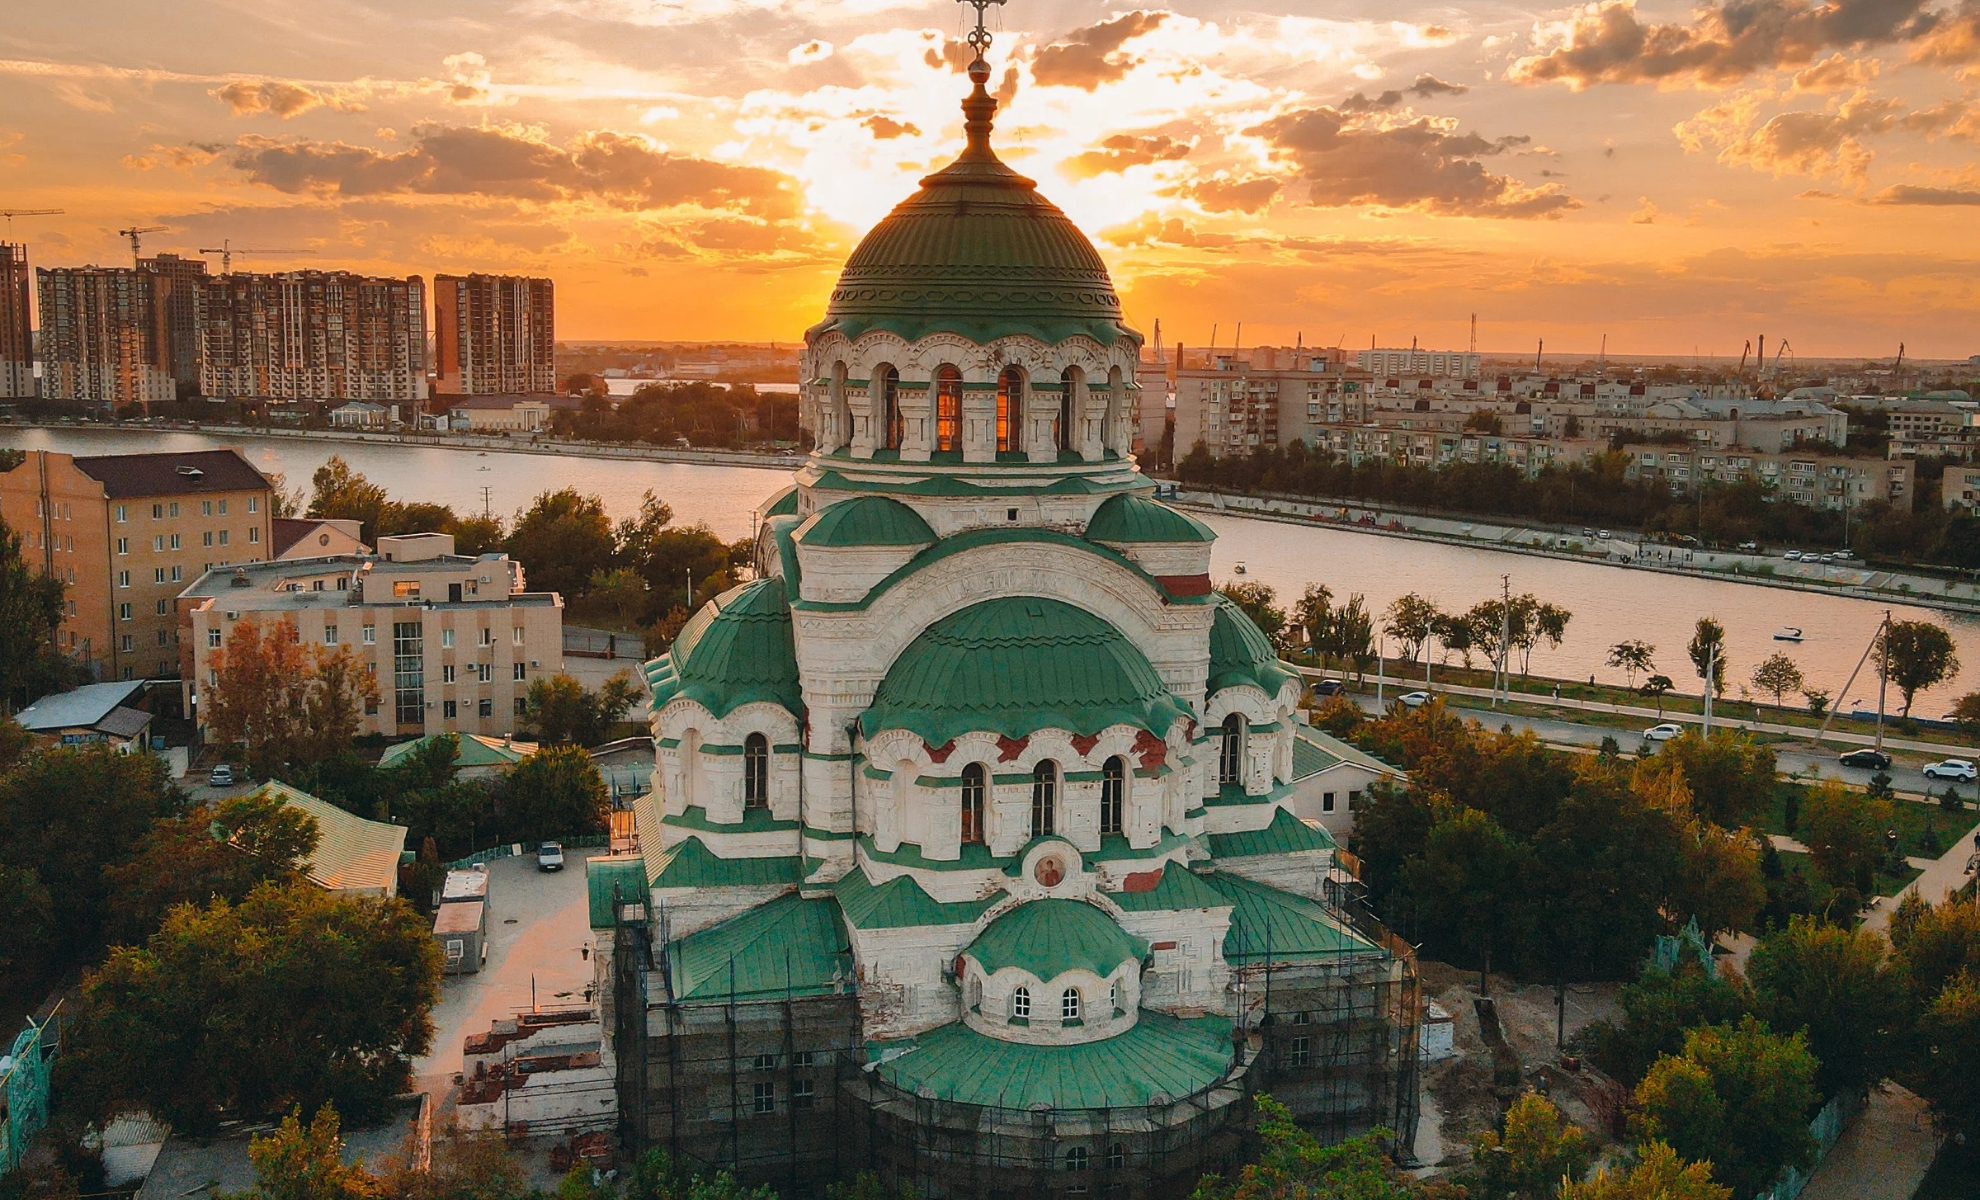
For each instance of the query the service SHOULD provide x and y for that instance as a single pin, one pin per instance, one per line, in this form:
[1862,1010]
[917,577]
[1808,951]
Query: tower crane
[11,213]
[227,252]
[134,233]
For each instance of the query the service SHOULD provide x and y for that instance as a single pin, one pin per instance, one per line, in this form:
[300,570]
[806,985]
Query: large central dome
[978,252]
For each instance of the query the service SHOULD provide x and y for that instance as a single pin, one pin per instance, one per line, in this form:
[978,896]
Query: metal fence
[603,643]
[516,849]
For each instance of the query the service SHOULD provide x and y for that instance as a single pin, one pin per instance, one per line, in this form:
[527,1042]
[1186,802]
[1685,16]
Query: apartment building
[494,335]
[314,335]
[1825,481]
[1453,364]
[1959,489]
[182,303]
[16,324]
[126,533]
[1238,402]
[104,339]
[453,641]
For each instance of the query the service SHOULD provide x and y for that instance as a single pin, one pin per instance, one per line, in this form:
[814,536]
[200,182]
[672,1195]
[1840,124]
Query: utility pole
[1504,676]
[1711,676]
[1883,675]
[487,502]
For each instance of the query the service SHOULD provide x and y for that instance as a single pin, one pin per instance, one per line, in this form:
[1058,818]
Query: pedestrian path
[1942,877]
[1883,1155]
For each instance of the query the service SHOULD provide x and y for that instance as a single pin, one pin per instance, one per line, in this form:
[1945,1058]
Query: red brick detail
[1162,946]
[1153,750]
[942,752]
[1185,585]
[1085,744]
[1009,748]
[1143,881]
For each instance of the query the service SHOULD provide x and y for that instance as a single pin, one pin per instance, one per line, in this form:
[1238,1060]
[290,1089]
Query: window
[157,511]
[223,536]
[174,508]
[161,608]
[1327,802]
[1113,794]
[762,1098]
[446,639]
[1230,754]
[123,612]
[486,707]
[1069,1005]
[213,639]
[1044,798]
[1114,997]
[522,706]
[223,508]
[206,508]
[484,672]
[516,636]
[175,541]
[329,635]
[1076,1158]
[487,637]
[1116,1156]
[158,574]
[316,585]
[887,409]
[178,574]
[756,769]
[158,542]
[804,1060]
[447,673]
[407,589]
[206,538]
[972,804]
[123,513]
[1021,1003]
[948,408]
[1354,798]
[763,1062]
[521,671]
[127,643]
[1010,410]
[801,1093]
[123,545]
[409,672]
[1299,1051]
[370,635]
[254,504]
[123,579]
[447,709]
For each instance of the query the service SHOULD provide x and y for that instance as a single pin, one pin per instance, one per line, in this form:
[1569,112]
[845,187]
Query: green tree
[1831,984]
[562,540]
[1351,634]
[26,950]
[560,710]
[338,492]
[1844,833]
[1472,886]
[1632,657]
[1658,1174]
[1412,621]
[656,1176]
[220,851]
[294,997]
[477,535]
[1777,675]
[1656,1011]
[30,609]
[1259,601]
[1947,1064]
[1454,634]
[1550,622]
[1731,776]
[1293,1165]
[620,595]
[556,792]
[467,1165]
[1966,712]
[1707,650]
[1534,1155]
[1656,687]
[1916,655]
[305,1162]
[1738,1097]
[282,703]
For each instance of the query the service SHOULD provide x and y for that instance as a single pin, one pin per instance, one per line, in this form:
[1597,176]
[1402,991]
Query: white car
[1952,768]
[1413,699]
[1662,733]
[550,857]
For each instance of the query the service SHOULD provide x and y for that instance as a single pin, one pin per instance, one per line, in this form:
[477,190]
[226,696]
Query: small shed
[95,712]
[461,929]
[354,856]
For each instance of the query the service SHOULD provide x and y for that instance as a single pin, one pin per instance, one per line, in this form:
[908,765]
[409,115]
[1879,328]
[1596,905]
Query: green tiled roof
[1288,927]
[754,820]
[783,504]
[900,903]
[789,945]
[1315,750]
[1178,888]
[868,521]
[689,863]
[782,531]
[1050,937]
[1132,517]
[1016,665]
[600,874]
[1240,654]
[737,650]
[475,750]
[1286,834]
[1159,1056]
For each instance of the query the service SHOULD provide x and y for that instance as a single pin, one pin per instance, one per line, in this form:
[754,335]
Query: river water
[1609,603]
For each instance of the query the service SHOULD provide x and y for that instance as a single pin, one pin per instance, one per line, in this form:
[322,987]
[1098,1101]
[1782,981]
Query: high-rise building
[494,335]
[103,336]
[16,327]
[1455,364]
[315,335]
[179,290]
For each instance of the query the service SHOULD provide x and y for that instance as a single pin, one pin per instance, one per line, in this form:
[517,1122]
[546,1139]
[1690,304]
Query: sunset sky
[1678,179]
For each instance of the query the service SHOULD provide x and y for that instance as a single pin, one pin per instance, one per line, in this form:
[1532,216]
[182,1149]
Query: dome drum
[1052,972]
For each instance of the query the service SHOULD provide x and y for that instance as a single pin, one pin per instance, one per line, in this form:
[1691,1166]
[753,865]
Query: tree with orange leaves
[284,704]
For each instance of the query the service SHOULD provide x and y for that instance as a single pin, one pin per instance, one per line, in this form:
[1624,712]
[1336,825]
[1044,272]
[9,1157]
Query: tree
[1731,776]
[1656,1011]
[1293,1165]
[1947,1071]
[1818,700]
[1659,1174]
[340,493]
[560,710]
[1966,712]
[1844,833]
[1535,1155]
[1632,657]
[1471,885]
[1708,653]
[1259,602]
[1916,655]
[294,997]
[621,593]
[1352,636]
[1550,622]
[1777,675]
[1454,633]
[30,910]
[1657,686]
[562,540]
[298,1162]
[217,851]
[1738,1097]
[1831,984]
[285,704]
[30,609]
[1412,621]
[557,792]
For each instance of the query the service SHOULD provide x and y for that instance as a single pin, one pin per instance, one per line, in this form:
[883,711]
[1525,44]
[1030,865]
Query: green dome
[1135,518]
[1241,654]
[1050,937]
[977,252]
[1015,666]
[868,521]
[737,650]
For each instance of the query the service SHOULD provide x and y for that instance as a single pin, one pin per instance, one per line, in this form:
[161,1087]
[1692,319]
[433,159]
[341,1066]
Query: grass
[1883,884]
[1914,817]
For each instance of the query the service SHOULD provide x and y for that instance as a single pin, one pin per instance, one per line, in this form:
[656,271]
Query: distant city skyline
[697,171]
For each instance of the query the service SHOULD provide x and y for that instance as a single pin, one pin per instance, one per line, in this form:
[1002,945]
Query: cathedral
[971,857]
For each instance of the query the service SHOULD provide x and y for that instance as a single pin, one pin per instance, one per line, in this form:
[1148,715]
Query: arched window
[1113,794]
[1116,1156]
[1076,1159]
[975,994]
[756,771]
[690,751]
[1230,756]
[1069,1005]
[1044,798]
[1021,1002]
[972,804]
[1114,997]
[841,428]
[1010,410]
[948,408]
[1068,405]
[887,409]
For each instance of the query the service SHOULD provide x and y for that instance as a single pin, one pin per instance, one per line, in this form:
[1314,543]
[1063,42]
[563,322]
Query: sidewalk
[1943,876]
[1883,1155]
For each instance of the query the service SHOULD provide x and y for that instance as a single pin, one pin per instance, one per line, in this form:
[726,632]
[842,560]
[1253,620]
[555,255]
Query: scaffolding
[24,1073]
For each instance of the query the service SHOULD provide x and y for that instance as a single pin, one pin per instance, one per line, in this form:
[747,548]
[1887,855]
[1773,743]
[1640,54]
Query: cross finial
[979,37]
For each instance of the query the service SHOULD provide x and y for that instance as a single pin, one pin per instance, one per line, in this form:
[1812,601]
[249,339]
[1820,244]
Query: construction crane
[1744,351]
[1779,350]
[11,213]
[227,252]
[134,233]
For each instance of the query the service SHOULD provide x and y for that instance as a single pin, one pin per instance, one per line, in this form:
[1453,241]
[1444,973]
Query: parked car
[1603,534]
[1329,687]
[1868,760]
[1413,699]
[1663,733]
[1792,556]
[550,856]
[1749,547]
[221,776]
[1952,768]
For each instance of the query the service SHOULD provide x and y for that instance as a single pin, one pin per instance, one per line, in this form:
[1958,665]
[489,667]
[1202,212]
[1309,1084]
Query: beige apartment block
[453,641]
[125,533]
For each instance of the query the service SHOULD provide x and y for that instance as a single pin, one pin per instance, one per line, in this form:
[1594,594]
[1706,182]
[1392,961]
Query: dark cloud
[1427,86]
[1124,150]
[621,168]
[1424,88]
[953,53]
[1726,43]
[1956,40]
[1223,194]
[1419,165]
[1093,56]
[277,96]
[1905,193]
[885,128]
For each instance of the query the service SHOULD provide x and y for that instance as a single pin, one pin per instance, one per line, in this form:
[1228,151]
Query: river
[1609,603]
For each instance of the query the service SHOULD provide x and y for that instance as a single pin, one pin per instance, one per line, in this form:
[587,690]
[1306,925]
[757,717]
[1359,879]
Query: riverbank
[1853,581]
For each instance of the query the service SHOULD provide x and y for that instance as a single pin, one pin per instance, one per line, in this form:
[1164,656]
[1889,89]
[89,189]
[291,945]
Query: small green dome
[737,650]
[868,521]
[1240,653]
[1047,938]
[1130,517]
[1017,665]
